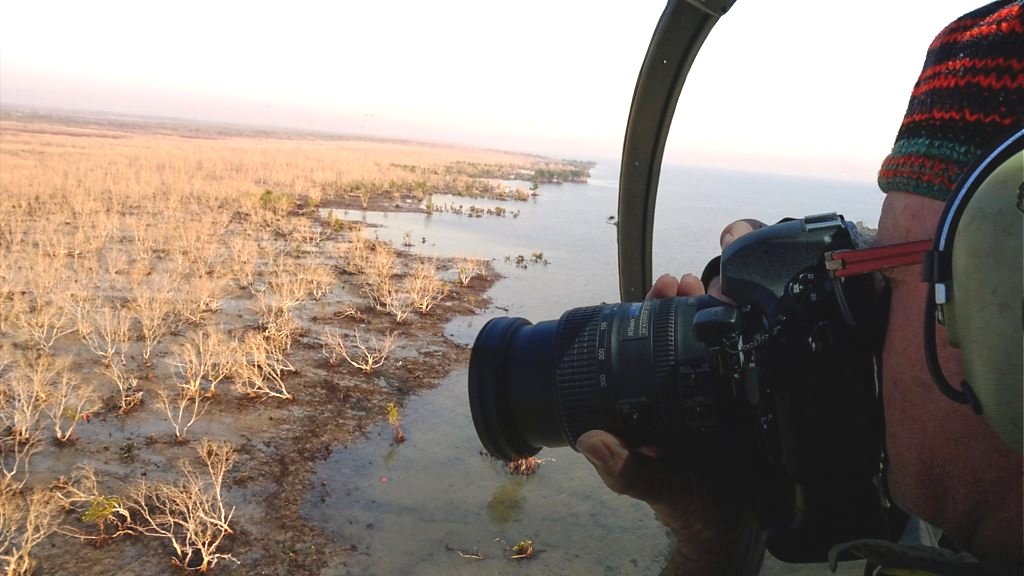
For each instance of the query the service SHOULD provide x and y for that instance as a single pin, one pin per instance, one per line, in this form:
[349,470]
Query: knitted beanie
[969,94]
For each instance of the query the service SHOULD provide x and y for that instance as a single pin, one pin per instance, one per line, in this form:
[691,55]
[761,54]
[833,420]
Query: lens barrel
[634,369]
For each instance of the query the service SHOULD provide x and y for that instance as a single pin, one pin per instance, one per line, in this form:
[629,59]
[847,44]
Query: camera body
[781,380]
[806,359]
[803,349]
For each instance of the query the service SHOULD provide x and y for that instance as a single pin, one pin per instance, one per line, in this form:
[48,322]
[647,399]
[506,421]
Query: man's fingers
[664,287]
[715,288]
[728,236]
[605,452]
[689,285]
[630,473]
[737,229]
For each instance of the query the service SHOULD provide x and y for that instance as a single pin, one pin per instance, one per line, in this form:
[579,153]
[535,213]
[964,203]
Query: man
[947,466]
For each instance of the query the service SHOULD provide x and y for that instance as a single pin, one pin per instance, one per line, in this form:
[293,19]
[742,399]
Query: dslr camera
[782,377]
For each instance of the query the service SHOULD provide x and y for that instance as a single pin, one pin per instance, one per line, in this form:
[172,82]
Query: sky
[813,87]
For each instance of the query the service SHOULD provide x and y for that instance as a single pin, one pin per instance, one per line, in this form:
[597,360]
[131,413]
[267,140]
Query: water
[411,509]
[569,224]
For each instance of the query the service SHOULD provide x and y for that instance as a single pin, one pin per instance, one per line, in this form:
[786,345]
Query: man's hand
[710,516]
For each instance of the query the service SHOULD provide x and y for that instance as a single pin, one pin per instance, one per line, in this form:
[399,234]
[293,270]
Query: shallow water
[410,509]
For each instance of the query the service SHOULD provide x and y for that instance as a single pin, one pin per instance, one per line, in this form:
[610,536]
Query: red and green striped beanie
[970,92]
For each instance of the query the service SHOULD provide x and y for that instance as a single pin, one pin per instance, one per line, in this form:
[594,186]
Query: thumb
[630,473]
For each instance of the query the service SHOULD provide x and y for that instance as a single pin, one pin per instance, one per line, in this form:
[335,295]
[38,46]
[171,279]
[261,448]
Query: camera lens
[633,369]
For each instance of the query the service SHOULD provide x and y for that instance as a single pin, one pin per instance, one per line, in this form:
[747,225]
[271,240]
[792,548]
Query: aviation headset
[977,287]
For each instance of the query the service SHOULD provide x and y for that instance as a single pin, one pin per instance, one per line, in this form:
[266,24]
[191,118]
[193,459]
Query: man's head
[947,465]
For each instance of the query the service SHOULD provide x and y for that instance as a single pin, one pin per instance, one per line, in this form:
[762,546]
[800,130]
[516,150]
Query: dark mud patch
[377,203]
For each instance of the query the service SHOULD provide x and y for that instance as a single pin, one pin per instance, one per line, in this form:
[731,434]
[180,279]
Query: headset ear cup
[984,313]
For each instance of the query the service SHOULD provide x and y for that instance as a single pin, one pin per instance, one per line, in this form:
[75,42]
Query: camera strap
[842,263]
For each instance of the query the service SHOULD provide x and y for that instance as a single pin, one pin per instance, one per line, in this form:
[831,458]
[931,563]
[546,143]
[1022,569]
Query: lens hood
[489,390]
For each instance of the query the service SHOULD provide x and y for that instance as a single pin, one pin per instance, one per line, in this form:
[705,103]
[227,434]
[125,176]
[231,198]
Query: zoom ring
[664,343]
[576,381]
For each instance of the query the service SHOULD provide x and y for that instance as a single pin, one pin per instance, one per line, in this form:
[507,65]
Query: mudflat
[184,333]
